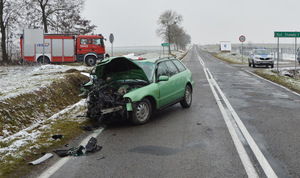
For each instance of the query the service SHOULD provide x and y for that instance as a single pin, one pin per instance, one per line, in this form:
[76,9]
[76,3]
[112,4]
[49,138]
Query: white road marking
[50,171]
[251,172]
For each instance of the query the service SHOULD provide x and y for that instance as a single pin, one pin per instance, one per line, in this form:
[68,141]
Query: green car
[132,89]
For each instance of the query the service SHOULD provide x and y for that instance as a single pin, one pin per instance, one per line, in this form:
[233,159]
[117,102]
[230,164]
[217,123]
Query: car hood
[119,68]
[263,56]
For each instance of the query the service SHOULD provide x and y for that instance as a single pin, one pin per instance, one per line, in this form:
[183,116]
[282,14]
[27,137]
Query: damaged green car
[134,89]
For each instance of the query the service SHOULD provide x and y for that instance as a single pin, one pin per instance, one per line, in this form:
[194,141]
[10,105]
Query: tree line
[171,31]
[54,16]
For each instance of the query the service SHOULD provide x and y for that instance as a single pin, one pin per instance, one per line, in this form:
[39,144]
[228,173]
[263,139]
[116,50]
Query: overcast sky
[134,22]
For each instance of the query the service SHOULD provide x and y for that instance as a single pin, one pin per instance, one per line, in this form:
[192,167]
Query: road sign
[242,38]
[165,44]
[287,34]
[111,38]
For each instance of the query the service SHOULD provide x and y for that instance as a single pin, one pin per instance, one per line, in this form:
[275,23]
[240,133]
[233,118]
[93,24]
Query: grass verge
[288,82]
[226,59]
[28,109]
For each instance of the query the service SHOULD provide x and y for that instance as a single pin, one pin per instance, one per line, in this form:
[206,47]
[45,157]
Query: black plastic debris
[91,146]
[87,128]
[55,137]
[42,159]
[62,153]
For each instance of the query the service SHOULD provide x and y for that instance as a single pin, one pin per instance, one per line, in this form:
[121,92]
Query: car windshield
[261,52]
[148,68]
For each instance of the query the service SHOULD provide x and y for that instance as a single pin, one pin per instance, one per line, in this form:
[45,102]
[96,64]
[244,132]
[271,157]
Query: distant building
[225,46]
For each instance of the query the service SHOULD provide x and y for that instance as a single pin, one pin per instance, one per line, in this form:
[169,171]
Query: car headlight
[128,100]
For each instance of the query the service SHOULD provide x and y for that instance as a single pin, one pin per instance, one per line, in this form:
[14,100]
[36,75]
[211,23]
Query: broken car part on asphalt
[91,146]
[42,159]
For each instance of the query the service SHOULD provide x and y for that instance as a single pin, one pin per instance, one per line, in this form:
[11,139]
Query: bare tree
[168,22]
[8,23]
[58,16]
[70,20]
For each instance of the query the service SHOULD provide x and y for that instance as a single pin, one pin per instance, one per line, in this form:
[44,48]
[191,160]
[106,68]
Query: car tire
[187,98]
[249,64]
[253,64]
[267,66]
[272,65]
[42,61]
[142,113]
[90,61]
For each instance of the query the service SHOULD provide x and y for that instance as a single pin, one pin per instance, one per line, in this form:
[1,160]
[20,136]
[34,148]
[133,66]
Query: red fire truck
[65,48]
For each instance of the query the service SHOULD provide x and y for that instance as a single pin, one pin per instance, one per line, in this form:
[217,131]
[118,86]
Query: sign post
[287,35]
[242,39]
[111,40]
[163,45]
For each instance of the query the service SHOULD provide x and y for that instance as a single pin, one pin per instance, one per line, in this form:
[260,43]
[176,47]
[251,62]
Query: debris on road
[91,146]
[59,136]
[87,128]
[102,157]
[42,159]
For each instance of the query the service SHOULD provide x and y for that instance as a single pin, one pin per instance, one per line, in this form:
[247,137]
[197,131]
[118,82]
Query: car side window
[83,41]
[162,69]
[172,69]
[96,41]
[179,65]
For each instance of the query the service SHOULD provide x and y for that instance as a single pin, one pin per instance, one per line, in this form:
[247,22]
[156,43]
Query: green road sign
[165,44]
[287,34]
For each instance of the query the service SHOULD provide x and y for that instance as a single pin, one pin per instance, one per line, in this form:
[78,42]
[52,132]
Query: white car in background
[261,57]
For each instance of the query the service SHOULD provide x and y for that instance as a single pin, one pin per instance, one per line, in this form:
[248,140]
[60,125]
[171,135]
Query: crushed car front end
[112,79]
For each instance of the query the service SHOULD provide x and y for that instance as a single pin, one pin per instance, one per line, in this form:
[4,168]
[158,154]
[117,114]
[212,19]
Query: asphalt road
[206,140]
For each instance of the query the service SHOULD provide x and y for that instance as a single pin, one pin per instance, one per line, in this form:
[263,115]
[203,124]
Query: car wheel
[142,113]
[272,65]
[267,66]
[90,61]
[253,64]
[249,64]
[44,60]
[187,99]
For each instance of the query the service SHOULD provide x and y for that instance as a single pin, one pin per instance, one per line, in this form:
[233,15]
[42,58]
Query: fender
[39,55]
[90,54]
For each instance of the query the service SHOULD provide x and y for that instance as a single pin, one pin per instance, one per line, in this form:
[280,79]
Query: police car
[261,57]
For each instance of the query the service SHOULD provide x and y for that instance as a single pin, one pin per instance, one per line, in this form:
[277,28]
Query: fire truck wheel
[46,60]
[90,61]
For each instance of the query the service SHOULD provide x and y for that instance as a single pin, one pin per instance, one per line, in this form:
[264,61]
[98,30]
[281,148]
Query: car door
[177,80]
[181,77]
[97,46]
[84,45]
[167,89]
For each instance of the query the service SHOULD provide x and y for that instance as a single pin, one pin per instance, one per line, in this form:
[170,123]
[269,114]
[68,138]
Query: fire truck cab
[89,48]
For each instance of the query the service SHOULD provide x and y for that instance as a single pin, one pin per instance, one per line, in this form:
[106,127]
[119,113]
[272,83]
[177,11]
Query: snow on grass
[16,80]
[32,133]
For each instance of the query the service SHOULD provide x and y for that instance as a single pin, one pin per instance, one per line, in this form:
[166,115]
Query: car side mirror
[163,78]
